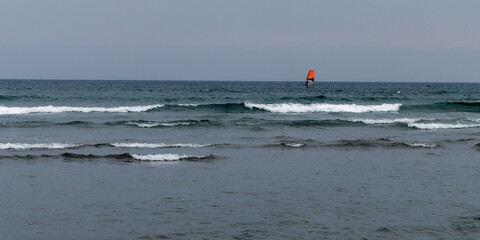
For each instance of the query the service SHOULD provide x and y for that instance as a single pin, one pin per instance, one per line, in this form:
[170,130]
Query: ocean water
[239,160]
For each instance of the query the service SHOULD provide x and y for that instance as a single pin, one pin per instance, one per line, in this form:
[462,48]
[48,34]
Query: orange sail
[310,75]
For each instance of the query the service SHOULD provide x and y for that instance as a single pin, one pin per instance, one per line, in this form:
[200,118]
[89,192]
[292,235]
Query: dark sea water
[239,160]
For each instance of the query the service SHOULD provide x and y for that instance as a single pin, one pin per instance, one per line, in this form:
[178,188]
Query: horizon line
[216,80]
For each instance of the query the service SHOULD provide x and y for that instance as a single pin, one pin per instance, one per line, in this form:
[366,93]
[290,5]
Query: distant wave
[152,124]
[160,145]
[261,123]
[26,97]
[387,121]
[433,126]
[444,107]
[466,103]
[293,145]
[25,146]
[353,143]
[60,109]
[188,104]
[385,143]
[86,124]
[4,97]
[124,157]
[419,123]
[323,107]
[312,98]
[168,157]
[61,145]
[423,145]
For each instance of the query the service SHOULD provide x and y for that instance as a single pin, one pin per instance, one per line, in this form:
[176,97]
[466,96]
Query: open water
[239,160]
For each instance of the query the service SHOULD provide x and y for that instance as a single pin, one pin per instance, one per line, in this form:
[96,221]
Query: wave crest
[422,145]
[387,121]
[153,124]
[434,126]
[160,145]
[324,107]
[61,109]
[168,157]
[124,157]
[26,146]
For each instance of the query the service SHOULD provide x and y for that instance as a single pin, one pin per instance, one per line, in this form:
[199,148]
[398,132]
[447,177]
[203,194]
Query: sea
[239,160]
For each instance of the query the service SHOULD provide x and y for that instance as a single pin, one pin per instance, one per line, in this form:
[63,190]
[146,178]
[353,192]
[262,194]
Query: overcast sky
[382,40]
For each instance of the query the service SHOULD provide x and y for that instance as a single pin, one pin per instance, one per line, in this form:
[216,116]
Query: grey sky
[382,40]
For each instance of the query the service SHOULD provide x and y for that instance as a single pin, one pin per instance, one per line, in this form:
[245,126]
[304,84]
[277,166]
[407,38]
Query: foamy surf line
[63,145]
[415,123]
[160,145]
[422,145]
[435,126]
[158,124]
[26,146]
[169,157]
[323,107]
[293,145]
[387,121]
[124,157]
[60,109]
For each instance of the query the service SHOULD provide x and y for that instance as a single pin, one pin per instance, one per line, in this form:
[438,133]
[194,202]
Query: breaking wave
[160,145]
[423,145]
[434,126]
[169,157]
[293,145]
[353,144]
[124,157]
[25,146]
[387,121]
[323,107]
[419,123]
[60,109]
[61,145]
[153,124]
[382,142]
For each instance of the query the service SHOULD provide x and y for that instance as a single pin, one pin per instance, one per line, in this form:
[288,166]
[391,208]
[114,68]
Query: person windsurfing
[310,79]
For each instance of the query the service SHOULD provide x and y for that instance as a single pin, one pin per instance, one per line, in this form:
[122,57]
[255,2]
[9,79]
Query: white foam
[38,145]
[433,126]
[324,107]
[164,157]
[60,109]
[160,145]
[188,104]
[156,124]
[387,121]
[295,145]
[424,145]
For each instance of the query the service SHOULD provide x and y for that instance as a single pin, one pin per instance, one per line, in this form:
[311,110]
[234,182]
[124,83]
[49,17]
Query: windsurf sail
[310,79]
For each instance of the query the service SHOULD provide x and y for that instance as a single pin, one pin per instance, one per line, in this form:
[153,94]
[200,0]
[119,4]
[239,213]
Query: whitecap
[158,124]
[188,104]
[160,145]
[166,157]
[294,145]
[387,121]
[324,107]
[423,145]
[25,146]
[60,109]
[433,126]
